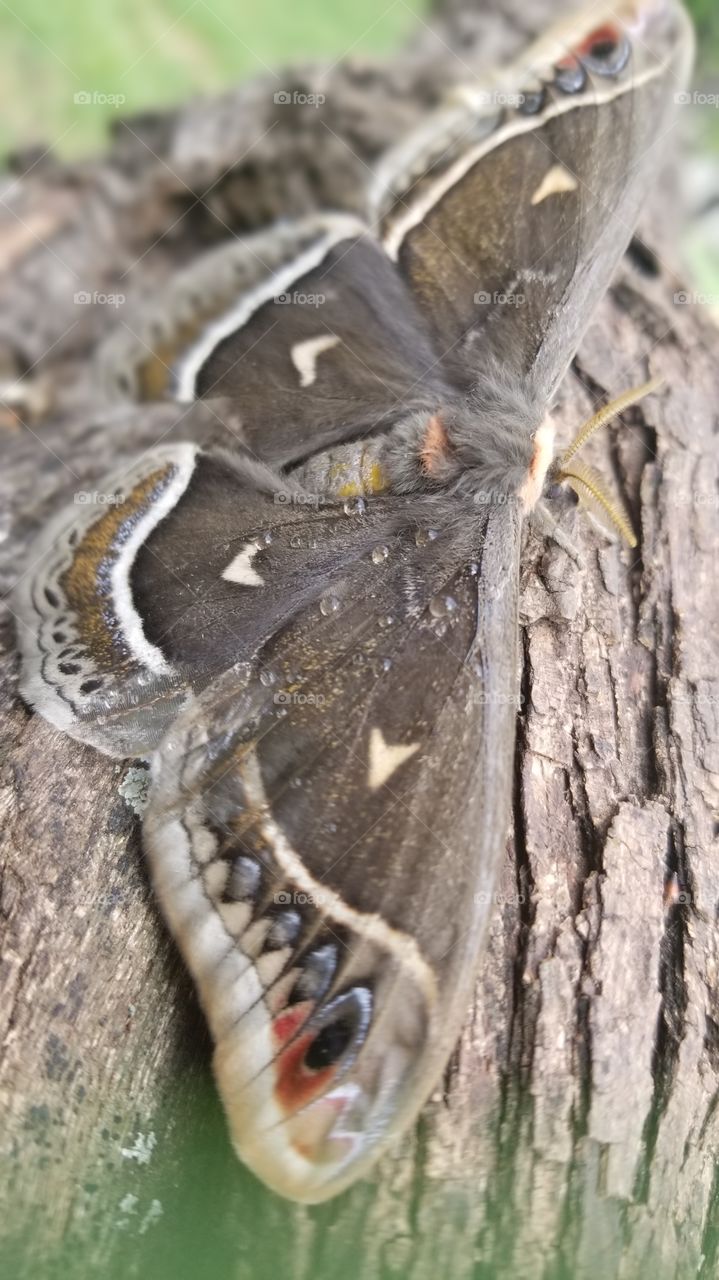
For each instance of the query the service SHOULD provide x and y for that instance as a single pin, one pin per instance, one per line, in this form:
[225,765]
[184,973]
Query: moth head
[496,443]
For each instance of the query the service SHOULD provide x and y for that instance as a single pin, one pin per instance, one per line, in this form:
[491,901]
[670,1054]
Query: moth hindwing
[307,815]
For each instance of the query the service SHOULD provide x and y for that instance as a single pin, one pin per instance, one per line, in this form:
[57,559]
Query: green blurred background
[195,1213]
[157,52]
[154,53]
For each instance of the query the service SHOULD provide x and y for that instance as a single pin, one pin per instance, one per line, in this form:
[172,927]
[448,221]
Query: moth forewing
[509,240]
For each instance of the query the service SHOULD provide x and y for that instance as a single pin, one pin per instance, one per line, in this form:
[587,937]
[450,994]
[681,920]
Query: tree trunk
[577,1131]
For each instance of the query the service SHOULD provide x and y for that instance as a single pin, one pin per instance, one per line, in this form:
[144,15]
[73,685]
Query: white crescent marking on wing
[304,356]
[555,182]
[418,210]
[182,457]
[240,569]
[370,925]
[384,760]
[343,227]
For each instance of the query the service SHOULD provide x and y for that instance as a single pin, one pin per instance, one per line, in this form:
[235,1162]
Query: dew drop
[262,540]
[441,606]
[267,678]
[473,569]
[385,621]
[355,507]
[423,536]
[329,605]
[386,664]
[380,554]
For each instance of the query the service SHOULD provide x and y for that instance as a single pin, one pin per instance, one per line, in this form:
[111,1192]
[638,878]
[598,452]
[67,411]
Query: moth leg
[543,523]
[591,490]
[136,361]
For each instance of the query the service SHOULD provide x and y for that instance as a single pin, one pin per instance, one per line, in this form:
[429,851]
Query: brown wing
[325,829]
[512,234]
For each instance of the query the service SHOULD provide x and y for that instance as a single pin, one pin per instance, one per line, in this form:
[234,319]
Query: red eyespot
[313,1045]
[605,52]
[296,1086]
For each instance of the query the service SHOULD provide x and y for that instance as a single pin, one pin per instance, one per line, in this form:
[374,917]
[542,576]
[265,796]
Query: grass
[156,52]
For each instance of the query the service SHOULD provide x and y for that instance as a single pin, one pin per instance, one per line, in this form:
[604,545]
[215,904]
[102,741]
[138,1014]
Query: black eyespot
[52,598]
[59,637]
[68,668]
[317,973]
[329,1045]
[244,879]
[532,101]
[284,930]
[607,54]
[90,686]
[343,1028]
[570,76]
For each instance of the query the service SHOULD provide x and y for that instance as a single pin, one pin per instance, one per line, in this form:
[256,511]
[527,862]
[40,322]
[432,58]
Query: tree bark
[576,1133]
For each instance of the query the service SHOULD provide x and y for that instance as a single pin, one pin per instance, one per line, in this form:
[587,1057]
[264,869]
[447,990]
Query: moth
[309,620]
